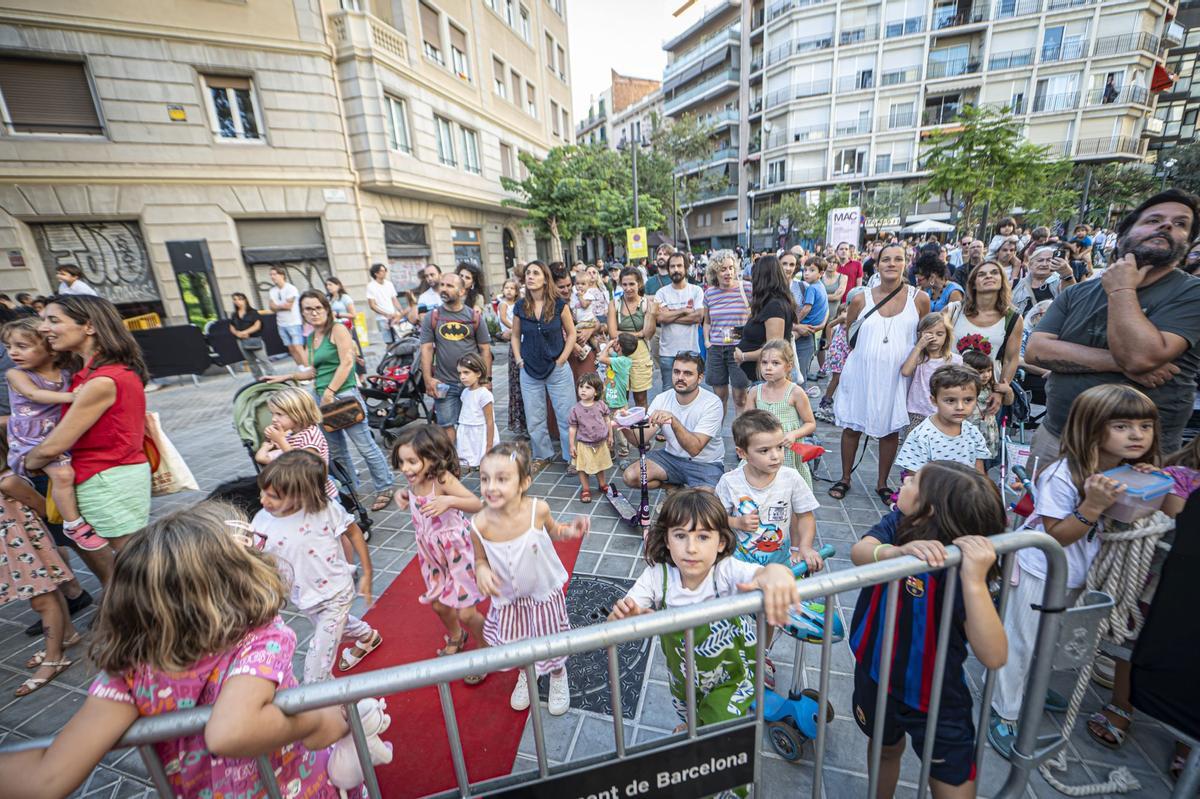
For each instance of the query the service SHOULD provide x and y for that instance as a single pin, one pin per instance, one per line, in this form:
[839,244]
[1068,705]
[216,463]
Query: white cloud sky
[625,35]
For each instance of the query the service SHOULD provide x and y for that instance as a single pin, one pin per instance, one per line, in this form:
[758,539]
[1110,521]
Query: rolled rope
[1120,570]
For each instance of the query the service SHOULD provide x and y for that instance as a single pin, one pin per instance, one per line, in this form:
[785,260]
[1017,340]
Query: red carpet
[490,729]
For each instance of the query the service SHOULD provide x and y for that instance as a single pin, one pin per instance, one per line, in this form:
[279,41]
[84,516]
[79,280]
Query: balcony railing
[1174,35]
[720,118]
[852,127]
[779,138]
[1126,43]
[1064,51]
[903,27]
[1051,103]
[949,17]
[1060,149]
[797,91]
[893,167]
[756,105]
[1135,95]
[895,77]
[1060,5]
[359,30]
[864,33]
[951,68]
[941,115]
[855,83]
[907,119]
[1115,145]
[799,46]
[778,9]
[712,158]
[730,36]
[1006,9]
[680,101]
[756,63]
[1010,59]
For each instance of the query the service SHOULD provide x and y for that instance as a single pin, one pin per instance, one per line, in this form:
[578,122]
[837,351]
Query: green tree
[888,200]
[1113,189]
[560,195]
[684,141]
[1186,172]
[984,162]
[802,219]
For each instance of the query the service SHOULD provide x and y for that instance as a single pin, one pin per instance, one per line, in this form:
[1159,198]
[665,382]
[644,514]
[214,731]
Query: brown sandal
[382,501]
[585,496]
[34,683]
[474,679]
[459,644]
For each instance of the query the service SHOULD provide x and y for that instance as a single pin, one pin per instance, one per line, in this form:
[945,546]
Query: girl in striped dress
[515,563]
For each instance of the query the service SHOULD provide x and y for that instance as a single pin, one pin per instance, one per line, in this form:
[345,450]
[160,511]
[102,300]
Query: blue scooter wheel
[785,740]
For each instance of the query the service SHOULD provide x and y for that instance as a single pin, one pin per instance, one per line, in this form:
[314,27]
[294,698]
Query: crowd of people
[924,348]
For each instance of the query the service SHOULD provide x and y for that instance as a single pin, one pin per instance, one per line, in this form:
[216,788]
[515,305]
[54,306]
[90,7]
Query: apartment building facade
[1174,120]
[625,104]
[321,136]
[703,78]
[845,93]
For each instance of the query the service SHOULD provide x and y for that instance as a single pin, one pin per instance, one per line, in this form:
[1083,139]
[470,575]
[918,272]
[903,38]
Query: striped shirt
[313,439]
[914,649]
[727,309]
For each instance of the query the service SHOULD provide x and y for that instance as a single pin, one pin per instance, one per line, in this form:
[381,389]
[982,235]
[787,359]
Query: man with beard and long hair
[1139,324]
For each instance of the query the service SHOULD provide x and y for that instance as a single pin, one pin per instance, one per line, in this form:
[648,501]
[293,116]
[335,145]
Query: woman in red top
[849,267]
[104,427]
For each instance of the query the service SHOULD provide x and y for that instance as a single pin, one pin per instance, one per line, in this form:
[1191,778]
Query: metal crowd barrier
[1065,637]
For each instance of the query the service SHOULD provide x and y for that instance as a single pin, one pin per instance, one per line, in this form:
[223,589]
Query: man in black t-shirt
[1139,324]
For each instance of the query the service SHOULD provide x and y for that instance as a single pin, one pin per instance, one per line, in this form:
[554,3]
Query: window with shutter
[458,52]
[498,81]
[231,107]
[44,96]
[515,81]
[431,33]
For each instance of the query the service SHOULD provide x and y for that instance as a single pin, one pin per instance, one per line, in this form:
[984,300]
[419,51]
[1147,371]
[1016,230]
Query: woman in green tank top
[331,360]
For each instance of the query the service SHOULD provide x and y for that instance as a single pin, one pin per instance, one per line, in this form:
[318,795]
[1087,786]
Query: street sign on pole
[635,243]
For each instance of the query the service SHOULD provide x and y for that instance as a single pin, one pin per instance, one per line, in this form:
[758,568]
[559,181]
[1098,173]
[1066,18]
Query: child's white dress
[472,440]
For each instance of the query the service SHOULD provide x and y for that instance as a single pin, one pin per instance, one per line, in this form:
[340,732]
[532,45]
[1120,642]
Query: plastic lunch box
[1143,495]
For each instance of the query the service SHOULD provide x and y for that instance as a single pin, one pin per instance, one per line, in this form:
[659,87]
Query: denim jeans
[364,442]
[806,348]
[666,364]
[386,334]
[562,395]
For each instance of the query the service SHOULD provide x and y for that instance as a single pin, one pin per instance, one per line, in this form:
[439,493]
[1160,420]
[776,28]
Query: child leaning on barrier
[1107,426]
[689,549]
[191,618]
[943,503]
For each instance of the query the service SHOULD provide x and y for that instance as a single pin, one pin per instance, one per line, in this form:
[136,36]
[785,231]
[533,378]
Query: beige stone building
[324,136]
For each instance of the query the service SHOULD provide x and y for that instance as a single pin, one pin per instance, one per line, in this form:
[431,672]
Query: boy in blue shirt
[813,304]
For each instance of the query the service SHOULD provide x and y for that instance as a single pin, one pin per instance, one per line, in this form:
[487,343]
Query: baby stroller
[250,418]
[395,396]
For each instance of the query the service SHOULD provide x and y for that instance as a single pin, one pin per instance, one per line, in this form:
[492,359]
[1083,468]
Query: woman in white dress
[872,397]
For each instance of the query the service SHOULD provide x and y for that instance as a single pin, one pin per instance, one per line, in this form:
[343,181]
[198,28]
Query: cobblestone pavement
[197,418]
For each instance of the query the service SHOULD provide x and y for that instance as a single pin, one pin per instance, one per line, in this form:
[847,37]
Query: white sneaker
[520,695]
[560,693]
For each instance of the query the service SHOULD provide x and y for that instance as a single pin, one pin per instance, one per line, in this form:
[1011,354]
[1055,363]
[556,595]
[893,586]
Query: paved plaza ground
[197,418]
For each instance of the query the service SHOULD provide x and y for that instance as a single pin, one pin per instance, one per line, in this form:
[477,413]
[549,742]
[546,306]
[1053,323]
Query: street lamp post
[640,143]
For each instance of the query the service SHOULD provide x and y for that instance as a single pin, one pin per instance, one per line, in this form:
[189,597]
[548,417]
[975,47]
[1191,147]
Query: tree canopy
[981,160]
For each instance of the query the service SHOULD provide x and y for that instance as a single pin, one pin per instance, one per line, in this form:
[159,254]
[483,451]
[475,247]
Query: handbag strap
[881,303]
[1009,324]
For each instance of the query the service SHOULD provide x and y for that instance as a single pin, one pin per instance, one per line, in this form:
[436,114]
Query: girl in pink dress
[191,618]
[429,461]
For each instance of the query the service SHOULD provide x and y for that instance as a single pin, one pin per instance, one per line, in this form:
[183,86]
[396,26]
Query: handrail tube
[395,679]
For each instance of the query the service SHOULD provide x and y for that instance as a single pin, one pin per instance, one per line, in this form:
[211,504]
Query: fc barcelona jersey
[914,649]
